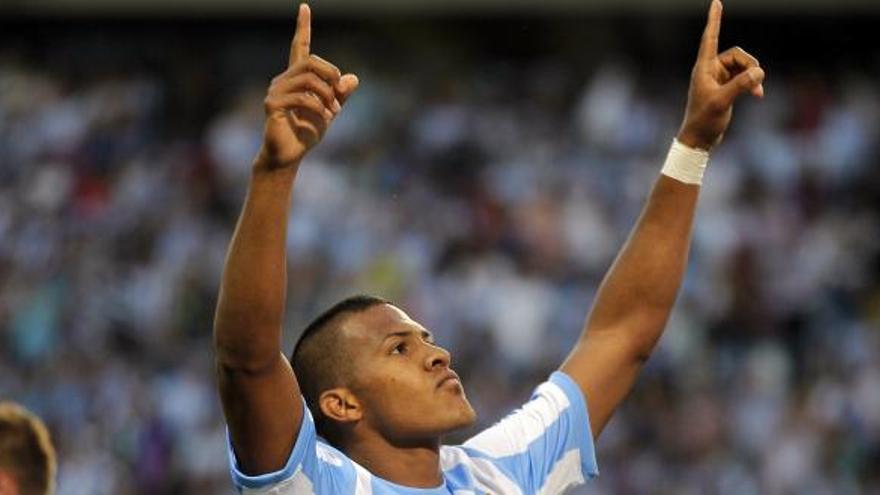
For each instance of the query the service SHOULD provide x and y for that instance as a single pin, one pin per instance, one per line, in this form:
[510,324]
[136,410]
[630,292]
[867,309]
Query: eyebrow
[406,333]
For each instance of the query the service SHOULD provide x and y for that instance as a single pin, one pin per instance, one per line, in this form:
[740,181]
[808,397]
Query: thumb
[346,86]
[751,81]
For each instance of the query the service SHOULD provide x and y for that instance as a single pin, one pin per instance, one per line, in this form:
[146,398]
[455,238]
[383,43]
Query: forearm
[640,289]
[261,397]
[250,310]
[634,300]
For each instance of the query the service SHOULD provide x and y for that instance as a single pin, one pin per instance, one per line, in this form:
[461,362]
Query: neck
[414,465]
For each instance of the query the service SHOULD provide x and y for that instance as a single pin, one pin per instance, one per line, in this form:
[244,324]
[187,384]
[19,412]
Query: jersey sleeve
[546,445]
[298,476]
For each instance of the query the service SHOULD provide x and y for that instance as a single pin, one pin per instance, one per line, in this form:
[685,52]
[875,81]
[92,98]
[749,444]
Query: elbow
[642,355]
[645,340]
[230,368]
[233,364]
[635,336]
[250,354]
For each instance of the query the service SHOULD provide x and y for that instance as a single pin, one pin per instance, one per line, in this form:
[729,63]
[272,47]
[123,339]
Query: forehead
[376,322]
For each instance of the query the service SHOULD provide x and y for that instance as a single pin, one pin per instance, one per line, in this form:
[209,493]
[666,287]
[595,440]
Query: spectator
[27,457]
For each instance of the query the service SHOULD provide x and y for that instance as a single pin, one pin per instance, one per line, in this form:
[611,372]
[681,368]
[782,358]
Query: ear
[8,486]
[340,404]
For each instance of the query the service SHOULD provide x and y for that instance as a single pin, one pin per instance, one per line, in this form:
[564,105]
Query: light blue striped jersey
[545,447]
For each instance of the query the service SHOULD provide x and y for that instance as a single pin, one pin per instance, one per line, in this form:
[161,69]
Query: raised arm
[634,301]
[260,395]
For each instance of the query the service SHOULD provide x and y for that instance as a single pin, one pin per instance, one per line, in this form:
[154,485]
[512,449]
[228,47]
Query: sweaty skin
[404,399]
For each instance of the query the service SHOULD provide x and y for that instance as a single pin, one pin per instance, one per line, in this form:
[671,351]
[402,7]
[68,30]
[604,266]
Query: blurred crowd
[488,201]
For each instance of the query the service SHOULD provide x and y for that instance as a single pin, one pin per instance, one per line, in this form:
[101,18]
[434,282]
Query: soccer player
[363,402]
[27,458]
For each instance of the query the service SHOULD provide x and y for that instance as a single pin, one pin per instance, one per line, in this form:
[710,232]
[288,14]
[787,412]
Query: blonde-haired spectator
[27,457]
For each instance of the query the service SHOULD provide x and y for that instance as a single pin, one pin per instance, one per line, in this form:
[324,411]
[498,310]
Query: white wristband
[685,164]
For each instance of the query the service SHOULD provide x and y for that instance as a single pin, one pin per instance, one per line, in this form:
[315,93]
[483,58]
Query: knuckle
[303,102]
[315,64]
[308,97]
[323,88]
[316,105]
[315,59]
[321,100]
[748,56]
[321,82]
[324,62]
[296,80]
[320,88]
[323,92]
[313,80]
[283,75]
[271,104]
[298,67]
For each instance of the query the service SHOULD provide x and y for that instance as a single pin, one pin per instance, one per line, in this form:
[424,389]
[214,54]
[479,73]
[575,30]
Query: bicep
[264,413]
[605,366]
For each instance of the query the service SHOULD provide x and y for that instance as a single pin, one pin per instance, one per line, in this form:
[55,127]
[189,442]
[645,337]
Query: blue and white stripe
[543,448]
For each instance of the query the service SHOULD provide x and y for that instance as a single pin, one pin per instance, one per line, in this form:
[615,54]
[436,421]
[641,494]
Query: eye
[399,348]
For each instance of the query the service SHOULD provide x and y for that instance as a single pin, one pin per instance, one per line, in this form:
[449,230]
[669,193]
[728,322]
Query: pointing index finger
[302,40]
[709,44]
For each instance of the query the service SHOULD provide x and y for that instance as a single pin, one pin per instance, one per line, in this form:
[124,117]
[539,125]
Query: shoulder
[314,466]
[327,454]
[544,445]
[552,402]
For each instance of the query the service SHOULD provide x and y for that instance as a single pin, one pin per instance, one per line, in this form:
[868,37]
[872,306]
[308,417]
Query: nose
[438,357]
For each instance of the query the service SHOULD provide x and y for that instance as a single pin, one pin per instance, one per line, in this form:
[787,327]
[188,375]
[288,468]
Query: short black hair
[321,360]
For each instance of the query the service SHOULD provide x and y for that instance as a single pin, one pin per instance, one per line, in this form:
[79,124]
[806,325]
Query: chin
[470,419]
[466,415]
[455,411]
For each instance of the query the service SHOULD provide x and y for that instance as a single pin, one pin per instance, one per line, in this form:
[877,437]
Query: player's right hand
[302,101]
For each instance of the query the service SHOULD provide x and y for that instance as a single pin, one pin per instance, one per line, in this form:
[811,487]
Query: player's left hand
[716,81]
